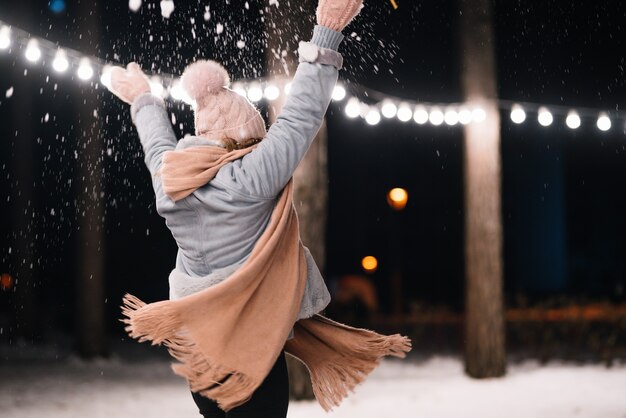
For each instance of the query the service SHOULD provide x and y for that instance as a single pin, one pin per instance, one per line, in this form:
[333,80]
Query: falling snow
[9,92]
[241,44]
[219,28]
[167,7]
[134,5]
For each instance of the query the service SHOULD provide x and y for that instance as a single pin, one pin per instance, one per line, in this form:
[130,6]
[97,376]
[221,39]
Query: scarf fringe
[159,324]
[333,381]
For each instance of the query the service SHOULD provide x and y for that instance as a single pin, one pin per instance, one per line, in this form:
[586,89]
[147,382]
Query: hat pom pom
[203,78]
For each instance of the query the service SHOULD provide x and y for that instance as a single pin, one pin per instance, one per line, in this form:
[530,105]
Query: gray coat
[217,226]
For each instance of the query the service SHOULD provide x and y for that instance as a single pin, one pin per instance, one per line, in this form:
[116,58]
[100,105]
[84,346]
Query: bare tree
[484,328]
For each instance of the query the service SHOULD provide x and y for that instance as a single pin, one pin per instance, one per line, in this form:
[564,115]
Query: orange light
[397,198]
[369,264]
[6,281]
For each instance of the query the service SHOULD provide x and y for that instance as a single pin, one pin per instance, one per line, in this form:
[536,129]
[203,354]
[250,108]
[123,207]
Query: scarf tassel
[159,324]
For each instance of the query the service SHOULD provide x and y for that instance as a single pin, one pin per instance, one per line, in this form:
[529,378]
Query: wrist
[325,37]
[143,100]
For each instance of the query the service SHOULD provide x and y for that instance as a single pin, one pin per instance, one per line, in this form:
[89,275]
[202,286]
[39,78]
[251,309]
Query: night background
[562,190]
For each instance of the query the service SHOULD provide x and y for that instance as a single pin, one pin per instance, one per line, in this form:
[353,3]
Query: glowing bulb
[604,123]
[372,117]
[271,92]
[33,53]
[105,77]
[451,117]
[353,108]
[369,264]
[436,116]
[5,37]
[404,113]
[339,93]
[389,109]
[176,91]
[397,198]
[255,93]
[156,87]
[84,72]
[465,116]
[517,114]
[479,115]
[60,63]
[420,115]
[573,120]
[545,117]
[238,88]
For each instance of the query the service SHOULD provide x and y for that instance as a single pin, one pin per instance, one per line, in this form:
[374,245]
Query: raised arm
[265,171]
[149,116]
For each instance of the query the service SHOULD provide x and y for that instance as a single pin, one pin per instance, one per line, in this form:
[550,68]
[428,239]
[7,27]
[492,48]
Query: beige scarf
[227,337]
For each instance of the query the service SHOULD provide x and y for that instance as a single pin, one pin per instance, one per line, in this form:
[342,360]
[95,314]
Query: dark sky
[563,194]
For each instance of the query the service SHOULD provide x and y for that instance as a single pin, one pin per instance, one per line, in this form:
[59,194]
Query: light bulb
[573,120]
[353,108]
[517,114]
[465,116]
[5,37]
[404,112]
[339,93]
[84,72]
[451,117]
[255,93]
[436,116]
[60,63]
[420,115]
[372,117]
[33,53]
[271,92]
[604,123]
[389,109]
[544,117]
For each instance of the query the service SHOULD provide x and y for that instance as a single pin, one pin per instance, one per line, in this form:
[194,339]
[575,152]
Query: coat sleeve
[265,171]
[155,133]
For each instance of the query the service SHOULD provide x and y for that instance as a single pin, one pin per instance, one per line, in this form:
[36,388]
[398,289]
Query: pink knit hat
[220,113]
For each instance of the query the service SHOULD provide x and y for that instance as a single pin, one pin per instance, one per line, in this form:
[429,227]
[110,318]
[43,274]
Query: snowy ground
[431,388]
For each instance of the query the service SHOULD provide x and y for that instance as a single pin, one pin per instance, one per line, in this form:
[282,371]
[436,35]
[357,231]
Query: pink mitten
[129,83]
[337,14]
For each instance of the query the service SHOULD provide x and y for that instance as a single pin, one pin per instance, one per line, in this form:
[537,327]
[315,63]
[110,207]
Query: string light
[372,117]
[255,93]
[573,120]
[271,92]
[379,104]
[85,71]
[451,117]
[33,53]
[420,116]
[353,108]
[436,116]
[60,63]
[389,109]
[404,112]
[544,117]
[518,115]
[604,123]
[5,37]
[339,93]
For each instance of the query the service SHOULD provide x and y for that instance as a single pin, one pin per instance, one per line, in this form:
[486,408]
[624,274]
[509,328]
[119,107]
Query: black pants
[270,400]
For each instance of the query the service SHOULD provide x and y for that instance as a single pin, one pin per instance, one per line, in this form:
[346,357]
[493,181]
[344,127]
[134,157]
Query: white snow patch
[435,388]
[134,5]
[167,7]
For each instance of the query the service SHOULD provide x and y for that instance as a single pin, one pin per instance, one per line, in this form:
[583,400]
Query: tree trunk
[485,342]
[311,176]
[90,304]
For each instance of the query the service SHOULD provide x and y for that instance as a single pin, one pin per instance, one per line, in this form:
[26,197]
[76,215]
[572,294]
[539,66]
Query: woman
[226,197]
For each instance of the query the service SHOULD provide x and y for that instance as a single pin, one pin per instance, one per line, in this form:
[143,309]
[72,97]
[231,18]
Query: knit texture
[219,112]
[337,14]
[227,359]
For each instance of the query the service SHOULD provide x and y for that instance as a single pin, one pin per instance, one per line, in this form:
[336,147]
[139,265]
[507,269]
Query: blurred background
[467,189]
